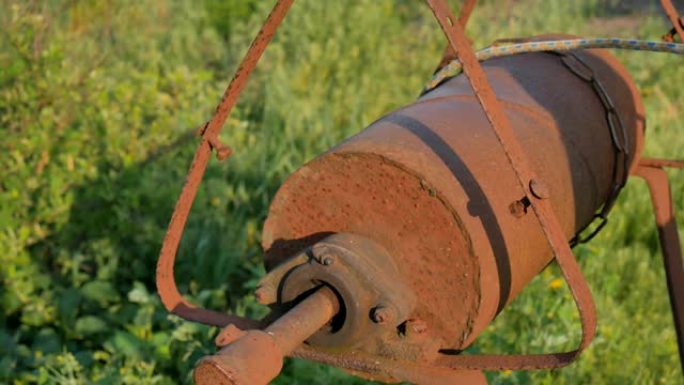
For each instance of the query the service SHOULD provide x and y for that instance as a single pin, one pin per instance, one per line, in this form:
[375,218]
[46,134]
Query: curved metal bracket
[651,170]
[166,283]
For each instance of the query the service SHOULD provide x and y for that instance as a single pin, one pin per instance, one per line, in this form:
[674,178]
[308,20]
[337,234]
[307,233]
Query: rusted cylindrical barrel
[432,185]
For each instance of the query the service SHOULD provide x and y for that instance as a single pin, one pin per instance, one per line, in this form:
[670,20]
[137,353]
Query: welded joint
[223,151]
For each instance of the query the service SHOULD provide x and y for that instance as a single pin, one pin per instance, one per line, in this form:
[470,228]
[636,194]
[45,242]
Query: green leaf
[69,302]
[139,294]
[101,292]
[47,341]
[90,325]
[126,344]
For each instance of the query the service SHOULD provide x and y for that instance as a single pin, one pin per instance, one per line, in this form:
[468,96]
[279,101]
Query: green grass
[97,101]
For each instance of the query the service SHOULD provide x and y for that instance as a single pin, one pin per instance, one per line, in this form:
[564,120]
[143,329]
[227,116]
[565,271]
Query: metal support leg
[661,197]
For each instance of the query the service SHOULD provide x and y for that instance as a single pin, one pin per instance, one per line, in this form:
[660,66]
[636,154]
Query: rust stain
[470,192]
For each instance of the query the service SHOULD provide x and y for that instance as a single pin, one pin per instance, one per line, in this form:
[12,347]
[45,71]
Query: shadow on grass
[108,250]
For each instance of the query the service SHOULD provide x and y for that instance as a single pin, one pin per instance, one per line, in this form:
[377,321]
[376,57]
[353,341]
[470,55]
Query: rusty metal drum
[430,184]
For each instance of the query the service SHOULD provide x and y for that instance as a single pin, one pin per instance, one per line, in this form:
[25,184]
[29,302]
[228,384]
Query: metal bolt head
[223,152]
[328,260]
[382,315]
[323,255]
[539,189]
[517,209]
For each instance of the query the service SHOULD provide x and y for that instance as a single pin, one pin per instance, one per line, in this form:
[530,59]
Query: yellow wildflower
[556,283]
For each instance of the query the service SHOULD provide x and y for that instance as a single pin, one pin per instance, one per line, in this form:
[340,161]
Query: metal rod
[672,14]
[305,319]
[662,163]
[256,357]
[661,197]
[166,283]
[449,53]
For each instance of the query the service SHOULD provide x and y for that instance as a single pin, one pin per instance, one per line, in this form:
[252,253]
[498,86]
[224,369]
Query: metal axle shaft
[256,357]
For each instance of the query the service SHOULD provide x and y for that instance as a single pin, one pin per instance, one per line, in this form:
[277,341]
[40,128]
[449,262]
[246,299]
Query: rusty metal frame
[449,53]
[166,283]
[450,368]
[166,286]
[677,22]
[540,206]
[652,171]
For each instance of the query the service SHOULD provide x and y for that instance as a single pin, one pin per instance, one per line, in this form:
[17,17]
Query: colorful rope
[454,68]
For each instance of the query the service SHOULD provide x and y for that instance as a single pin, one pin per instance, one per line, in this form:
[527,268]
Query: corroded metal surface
[434,170]
[256,357]
[469,192]
[372,196]
[651,170]
[363,276]
[379,368]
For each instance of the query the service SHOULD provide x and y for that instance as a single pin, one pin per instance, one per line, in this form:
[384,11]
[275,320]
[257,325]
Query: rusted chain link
[618,136]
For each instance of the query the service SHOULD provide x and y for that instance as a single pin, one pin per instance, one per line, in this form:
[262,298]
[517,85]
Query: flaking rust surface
[371,196]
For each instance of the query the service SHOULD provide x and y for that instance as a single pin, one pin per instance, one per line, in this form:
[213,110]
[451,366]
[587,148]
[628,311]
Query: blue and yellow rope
[454,68]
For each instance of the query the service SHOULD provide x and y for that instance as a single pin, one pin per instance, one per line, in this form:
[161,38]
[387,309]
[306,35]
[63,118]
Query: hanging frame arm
[652,171]
[166,283]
